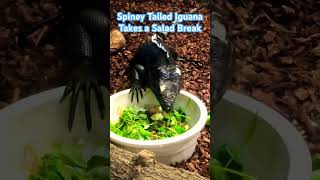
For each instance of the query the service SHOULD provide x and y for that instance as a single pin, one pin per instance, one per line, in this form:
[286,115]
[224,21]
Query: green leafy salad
[68,162]
[226,163]
[316,166]
[150,123]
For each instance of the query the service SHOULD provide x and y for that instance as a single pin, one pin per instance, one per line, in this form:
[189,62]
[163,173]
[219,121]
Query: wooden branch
[143,166]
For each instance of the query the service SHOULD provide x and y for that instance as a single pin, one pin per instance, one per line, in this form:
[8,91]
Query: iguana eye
[164,74]
[176,73]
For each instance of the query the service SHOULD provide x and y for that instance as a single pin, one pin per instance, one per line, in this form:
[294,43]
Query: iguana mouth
[169,86]
[168,101]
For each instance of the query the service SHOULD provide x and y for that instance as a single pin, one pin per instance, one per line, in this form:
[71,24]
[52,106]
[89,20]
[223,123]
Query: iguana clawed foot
[83,79]
[137,89]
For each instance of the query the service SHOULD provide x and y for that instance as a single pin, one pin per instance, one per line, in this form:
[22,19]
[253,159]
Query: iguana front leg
[138,84]
[84,76]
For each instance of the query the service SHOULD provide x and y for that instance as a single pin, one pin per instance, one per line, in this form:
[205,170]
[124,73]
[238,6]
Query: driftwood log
[143,166]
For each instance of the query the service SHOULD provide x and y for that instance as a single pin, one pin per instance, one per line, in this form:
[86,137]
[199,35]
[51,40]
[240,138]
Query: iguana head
[168,85]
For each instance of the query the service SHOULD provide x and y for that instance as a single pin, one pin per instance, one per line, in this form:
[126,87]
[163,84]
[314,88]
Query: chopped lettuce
[66,162]
[150,123]
[226,165]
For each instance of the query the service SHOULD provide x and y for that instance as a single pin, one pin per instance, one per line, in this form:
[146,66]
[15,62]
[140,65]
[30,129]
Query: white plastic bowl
[170,150]
[40,120]
[276,150]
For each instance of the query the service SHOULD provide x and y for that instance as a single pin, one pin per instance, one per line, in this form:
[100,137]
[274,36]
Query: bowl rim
[29,102]
[300,165]
[168,141]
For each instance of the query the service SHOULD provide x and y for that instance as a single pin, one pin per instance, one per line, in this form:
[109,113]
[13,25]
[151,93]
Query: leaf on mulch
[316,50]
[286,60]
[301,93]
[4,38]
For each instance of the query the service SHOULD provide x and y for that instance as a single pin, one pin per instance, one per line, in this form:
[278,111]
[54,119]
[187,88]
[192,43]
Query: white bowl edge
[31,101]
[293,140]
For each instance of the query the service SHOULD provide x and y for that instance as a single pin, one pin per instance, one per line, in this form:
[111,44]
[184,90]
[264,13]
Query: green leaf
[65,172]
[230,158]
[99,173]
[76,172]
[137,124]
[227,165]
[143,116]
[252,129]
[316,175]
[316,162]
[71,154]
[157,117]
[64,164]
[216,173]
[139,109]
[96,161]
[51,168]
[225,153]
[208,119]
[144,133]
[179,129]
[173,121]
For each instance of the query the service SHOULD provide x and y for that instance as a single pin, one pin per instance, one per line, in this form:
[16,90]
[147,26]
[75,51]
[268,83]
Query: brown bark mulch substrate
[196,78]
[34,67]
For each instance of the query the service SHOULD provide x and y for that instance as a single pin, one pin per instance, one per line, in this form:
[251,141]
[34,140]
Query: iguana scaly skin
[154,67]
[221,59]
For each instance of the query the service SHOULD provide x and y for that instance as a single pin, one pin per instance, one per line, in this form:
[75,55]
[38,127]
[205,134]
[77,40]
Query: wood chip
[301,93]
